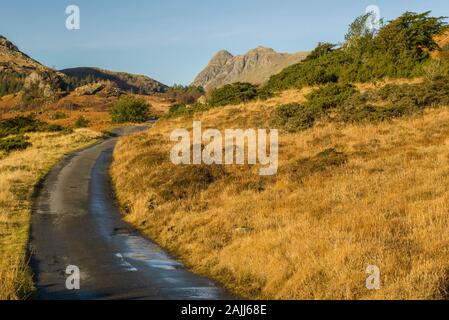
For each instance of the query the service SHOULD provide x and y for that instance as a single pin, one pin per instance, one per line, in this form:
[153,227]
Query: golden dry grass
[19,172]
[311,231]
[362,87]
[94,108]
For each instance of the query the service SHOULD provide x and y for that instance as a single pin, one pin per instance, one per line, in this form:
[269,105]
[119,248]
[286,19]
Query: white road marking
[128,266]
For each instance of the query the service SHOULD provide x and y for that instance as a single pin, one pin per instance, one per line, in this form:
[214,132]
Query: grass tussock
[19,172]
[347,195]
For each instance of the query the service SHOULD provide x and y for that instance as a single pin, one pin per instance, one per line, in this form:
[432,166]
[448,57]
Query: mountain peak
[221,57]
[256,66]
[261,49]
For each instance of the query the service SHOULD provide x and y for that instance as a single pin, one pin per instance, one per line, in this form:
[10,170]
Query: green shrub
[294,117]
[230,94]
[10,82]
[321,50]
[24,124]
[365,112]
[321,70]
[330,96]
[180,109]
[323,161]
[177,109]
[130,109]
[237,93]
[393,101]
[58,115]
[81,122]
[435,69]
[185,94]
[19,142]
[182,182]
[344,103]
[426,94]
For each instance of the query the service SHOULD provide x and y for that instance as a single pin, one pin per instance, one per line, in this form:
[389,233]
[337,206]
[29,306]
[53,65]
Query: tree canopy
[397,49]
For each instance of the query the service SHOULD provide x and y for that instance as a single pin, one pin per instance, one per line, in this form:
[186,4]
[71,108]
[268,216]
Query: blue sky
[172,40]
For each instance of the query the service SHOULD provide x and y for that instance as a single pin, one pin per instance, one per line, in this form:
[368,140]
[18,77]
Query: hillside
[13,60]
[254,67]
[20,72]
[362,174]
[347,195]
[39,84]
[132,83]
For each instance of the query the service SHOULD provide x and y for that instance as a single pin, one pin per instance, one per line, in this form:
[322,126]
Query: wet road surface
[76,221]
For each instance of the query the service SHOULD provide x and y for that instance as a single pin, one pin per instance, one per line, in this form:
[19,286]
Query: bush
[365,112]
[177,109]
[294,117]
[10,82]
[330,96]
[130,109]
[180,109]
[321,70]
[237,93]
[182,182]
[82,122]
[58,115]
[434,70]
[19,142]
[344,103]
[393,101]
[185,94]
[24,124]
[323,161]
[321,50]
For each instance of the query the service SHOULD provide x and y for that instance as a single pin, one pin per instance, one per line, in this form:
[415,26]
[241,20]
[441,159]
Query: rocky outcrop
[256,67]
[104,89]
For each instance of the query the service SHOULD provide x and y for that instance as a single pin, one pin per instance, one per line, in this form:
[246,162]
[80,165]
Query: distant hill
[132,83]
[35,82]
[254,67]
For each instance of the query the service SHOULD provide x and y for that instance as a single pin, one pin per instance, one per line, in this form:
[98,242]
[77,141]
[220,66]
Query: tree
[185,94]
[130,109]
[322,49]
[398,49]
[360,31]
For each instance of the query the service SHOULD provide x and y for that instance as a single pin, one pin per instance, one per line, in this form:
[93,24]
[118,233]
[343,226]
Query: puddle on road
[140,249]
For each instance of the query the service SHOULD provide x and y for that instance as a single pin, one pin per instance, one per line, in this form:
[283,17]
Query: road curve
[76,221]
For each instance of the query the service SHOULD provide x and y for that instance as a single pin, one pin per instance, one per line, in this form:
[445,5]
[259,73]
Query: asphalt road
[76,221]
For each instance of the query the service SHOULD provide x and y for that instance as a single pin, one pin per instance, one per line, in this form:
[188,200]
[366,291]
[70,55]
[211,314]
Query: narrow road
[76,221]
